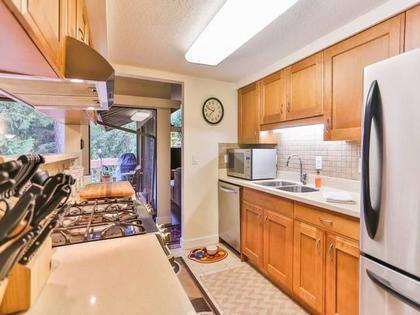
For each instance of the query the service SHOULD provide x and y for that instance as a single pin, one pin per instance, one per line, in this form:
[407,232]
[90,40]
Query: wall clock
[213,110]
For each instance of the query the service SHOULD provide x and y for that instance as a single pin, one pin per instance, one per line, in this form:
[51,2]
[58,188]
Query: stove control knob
[166,238]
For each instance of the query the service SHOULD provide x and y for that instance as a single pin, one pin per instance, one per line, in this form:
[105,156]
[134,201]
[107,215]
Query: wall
[339,158]
[163,166]
[200,149]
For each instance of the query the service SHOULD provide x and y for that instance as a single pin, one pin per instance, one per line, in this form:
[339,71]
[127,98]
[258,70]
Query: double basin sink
[286,186]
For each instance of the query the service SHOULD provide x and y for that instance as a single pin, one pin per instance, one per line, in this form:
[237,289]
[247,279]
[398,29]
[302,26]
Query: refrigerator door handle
[371,215]
[388,287]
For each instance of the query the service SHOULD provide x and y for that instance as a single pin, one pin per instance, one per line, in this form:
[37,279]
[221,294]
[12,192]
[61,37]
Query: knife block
[26,282]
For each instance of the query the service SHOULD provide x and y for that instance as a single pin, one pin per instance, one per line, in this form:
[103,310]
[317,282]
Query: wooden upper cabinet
[72,18]
[248,112]
[273,98]
[304,88]
[82,29]
[252,233]
[249,117]
[342,276]
[43,20]
[343,75]
[278,248]
[49,22]
[308,265]
[412,28]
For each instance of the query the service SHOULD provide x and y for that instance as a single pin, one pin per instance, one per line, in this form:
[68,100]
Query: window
[24,130]
[176,127]
[107,146]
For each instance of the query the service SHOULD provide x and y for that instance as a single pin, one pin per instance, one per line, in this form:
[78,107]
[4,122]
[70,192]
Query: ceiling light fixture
[232,26]
[140,116]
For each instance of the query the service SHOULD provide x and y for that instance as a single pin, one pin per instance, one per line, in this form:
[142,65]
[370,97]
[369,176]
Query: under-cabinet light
[233,25]
[77,80]
[140,116]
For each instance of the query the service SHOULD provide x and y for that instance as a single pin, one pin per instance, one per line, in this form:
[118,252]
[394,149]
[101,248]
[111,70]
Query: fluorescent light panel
[235,23]
[301,129]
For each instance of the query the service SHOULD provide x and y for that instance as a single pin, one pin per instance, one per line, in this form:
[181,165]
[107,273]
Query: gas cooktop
[102,219]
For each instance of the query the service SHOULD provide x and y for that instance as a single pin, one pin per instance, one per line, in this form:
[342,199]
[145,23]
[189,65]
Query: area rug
[207,259]
[242,290]
[199,299]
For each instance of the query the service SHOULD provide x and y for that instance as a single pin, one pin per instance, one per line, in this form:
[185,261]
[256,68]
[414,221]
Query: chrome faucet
[303,176]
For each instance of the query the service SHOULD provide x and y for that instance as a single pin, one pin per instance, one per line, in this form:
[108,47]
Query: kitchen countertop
[128,275]
[51,158]
[311,198]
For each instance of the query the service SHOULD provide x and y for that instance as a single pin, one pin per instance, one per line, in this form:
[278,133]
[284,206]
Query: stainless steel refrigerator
[390,201]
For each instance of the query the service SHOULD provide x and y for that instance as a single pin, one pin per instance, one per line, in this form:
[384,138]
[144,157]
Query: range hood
[88,83]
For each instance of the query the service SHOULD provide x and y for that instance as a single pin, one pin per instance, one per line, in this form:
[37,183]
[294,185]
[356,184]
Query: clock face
[213,111]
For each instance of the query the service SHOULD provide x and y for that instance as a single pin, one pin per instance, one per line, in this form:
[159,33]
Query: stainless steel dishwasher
[229,214]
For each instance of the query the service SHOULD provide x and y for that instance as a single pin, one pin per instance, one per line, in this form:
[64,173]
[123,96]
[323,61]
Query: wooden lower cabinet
[252,233]
[278,248]
[310,253]
[308,265]
[342,276]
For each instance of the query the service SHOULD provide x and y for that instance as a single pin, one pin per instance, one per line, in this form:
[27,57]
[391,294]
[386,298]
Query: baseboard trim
[201,241]
[164,220]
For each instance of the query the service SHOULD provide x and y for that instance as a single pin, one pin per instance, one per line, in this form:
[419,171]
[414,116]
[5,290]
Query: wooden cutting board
[107,190]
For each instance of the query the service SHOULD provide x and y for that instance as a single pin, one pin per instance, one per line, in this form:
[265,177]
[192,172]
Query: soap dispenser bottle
[318,179]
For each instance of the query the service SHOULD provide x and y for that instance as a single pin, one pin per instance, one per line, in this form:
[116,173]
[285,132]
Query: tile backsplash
[339,158]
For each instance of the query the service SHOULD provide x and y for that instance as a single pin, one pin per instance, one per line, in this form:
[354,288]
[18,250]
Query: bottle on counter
[318,179]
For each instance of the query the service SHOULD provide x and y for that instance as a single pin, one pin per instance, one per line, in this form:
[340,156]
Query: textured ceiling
[157,33]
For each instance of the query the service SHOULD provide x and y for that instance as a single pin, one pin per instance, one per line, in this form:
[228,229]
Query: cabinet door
[44,20]
[248,118]
[278,248]
[342,276]
[412,28]
[273,98]
[252,233]
[343,75]
[82,31]
[304,88]
[72,18]
[308,265]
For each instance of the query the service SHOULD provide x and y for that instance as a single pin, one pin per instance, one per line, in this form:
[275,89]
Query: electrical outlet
[318,162]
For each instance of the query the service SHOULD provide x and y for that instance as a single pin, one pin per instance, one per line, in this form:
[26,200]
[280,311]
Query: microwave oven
[252,164]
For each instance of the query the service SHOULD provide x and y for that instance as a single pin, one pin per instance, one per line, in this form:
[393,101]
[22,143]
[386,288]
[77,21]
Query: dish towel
[339,197]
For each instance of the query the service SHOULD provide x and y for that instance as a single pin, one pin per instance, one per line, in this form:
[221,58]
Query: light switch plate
[194,160]
[225,158]
[318,162]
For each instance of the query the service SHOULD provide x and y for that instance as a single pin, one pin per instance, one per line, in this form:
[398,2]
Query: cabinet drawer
[268,202]
[327,220]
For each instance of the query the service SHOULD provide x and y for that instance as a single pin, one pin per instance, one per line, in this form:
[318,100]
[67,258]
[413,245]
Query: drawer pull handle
[326,222]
